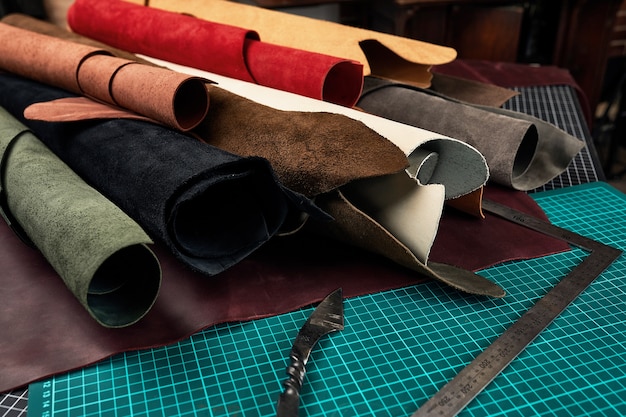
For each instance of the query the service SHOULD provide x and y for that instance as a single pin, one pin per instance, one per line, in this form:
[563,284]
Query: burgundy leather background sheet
[473,243]
[46,331]
[219,48]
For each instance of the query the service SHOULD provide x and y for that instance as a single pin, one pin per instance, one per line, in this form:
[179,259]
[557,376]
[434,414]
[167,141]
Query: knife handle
[289,400]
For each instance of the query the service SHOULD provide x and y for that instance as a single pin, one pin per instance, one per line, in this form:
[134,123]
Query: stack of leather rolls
[181,182]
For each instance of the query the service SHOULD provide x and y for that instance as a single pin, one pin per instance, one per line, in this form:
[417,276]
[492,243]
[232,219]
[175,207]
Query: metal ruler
[467,384]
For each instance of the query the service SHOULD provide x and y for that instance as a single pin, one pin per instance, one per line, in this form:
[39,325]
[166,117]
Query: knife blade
[326,318]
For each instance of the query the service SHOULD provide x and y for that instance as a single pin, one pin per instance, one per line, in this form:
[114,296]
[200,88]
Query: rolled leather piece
[165,35]
[171,98]
[46,28]
[209,207]
[165,96]
[311,152]
[522,152]
[460,167]
[45,331]
[224,49]
[318,76]
[99,252]
[412,61]
[392,204]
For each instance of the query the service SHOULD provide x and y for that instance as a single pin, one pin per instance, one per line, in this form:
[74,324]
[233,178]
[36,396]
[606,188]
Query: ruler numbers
[456,394]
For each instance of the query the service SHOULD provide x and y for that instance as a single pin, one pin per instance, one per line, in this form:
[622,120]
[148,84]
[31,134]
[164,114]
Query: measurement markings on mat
[467,384]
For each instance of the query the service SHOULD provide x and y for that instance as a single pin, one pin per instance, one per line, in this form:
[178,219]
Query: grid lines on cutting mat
[398,348]
[563,102]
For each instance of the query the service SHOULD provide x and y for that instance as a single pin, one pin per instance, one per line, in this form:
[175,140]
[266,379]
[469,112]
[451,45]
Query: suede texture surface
[46,331]
[412,58]
[169,97]
[46,28]
[100,253]
[79,108]
[332,149]
[208,206]
[224,49]
[311,152]
[471,91]
[522,152]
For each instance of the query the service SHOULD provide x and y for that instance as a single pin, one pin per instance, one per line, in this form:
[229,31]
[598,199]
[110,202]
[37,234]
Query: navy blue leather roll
[209,207]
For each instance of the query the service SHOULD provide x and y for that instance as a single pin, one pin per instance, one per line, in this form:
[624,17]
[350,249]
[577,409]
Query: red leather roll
[219,48]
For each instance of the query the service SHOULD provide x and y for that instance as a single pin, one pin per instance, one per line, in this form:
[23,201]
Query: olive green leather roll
[98,251]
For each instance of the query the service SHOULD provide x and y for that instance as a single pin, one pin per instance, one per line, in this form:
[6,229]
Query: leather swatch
[522,152]
[209,207]
[46,331]
[99,252]
[171,98]
[470,242]
[332,149]
[224,49]
[412,60]
[324,140]
[510,74]
[361,162]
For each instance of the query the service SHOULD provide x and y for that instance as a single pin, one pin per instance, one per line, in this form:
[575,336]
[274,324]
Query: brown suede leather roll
[47,60]
[166,96]
[314,153]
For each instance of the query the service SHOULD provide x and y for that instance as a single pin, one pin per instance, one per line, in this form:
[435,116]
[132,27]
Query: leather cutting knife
[326,318]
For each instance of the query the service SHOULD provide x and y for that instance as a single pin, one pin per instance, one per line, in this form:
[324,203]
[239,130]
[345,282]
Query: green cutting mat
[398,348]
